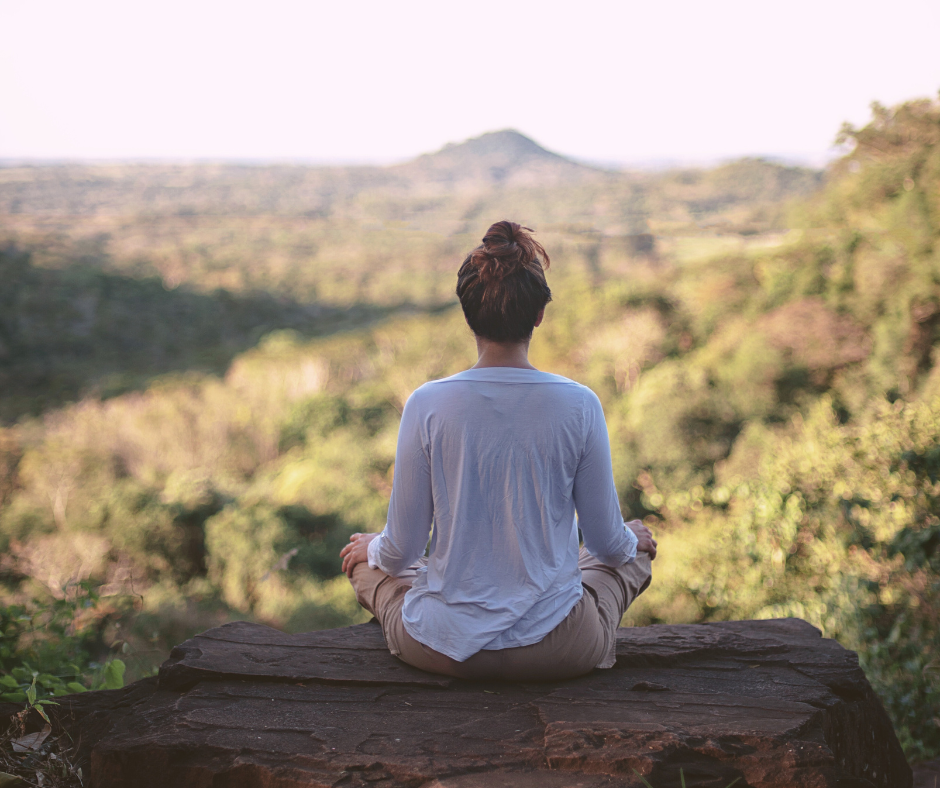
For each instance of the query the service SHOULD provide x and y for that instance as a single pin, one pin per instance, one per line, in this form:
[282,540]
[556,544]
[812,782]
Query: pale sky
[367,81]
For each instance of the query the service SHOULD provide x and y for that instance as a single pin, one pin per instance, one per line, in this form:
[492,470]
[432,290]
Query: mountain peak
[505,142]
[497,157]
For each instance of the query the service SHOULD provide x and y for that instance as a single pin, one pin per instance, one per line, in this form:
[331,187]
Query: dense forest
[202,370]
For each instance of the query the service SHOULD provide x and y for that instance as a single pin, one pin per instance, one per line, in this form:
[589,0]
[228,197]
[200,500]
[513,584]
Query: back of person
[503,446]
[507,463]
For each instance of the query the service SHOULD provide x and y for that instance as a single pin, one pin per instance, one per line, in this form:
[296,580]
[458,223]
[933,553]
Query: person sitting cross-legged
[506,463]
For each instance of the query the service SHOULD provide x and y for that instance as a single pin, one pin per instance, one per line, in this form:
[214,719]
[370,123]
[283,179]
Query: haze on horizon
[611,83]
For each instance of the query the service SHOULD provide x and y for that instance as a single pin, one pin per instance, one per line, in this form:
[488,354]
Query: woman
[500,458]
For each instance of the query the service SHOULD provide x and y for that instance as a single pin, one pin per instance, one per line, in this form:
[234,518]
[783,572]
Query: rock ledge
[770,704]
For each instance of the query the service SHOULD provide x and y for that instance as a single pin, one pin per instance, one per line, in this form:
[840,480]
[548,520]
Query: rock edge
[769,703]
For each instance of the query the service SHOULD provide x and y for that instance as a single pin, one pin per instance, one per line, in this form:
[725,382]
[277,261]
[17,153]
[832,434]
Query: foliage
[82,330]
[839,525]
[247,544]
[858,527]
[217,377]
[49,647]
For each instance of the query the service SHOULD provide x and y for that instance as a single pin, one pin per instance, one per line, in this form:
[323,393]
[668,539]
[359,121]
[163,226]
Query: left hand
[356,552]
[645,541]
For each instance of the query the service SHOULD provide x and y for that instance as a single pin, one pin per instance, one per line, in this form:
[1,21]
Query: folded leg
[584,640]
[381,594]
[614,588]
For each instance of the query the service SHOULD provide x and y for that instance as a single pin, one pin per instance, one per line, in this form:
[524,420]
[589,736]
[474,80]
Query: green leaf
[114,674]
[14,697]
[76,687]
[642,778]
[9,681]
[10,780]
[31,693]
[43,714]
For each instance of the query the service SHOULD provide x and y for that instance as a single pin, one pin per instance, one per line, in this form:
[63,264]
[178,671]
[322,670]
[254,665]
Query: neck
[497,354]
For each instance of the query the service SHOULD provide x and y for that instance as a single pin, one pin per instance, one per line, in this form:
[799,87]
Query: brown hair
[501,284]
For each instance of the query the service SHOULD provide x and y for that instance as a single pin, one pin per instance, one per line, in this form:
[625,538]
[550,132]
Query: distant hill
[500,171]
[505,158]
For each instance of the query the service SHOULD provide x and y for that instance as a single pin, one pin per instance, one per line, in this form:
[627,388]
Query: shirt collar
[508,375]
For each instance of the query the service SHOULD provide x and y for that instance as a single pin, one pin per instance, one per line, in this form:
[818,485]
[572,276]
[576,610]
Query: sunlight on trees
[200,406]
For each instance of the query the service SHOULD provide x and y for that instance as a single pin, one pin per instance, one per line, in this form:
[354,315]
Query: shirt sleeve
[411,508]
[606,537]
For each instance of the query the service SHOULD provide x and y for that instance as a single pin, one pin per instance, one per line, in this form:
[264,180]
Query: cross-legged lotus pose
[499,459]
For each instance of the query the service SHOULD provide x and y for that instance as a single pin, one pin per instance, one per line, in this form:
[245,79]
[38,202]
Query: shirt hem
[456,655]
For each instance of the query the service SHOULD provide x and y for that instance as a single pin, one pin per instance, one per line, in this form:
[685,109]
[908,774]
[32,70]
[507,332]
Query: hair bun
[501,284]
[507,248]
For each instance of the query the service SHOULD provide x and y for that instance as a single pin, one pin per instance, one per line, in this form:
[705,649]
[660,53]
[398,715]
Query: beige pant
[586,639]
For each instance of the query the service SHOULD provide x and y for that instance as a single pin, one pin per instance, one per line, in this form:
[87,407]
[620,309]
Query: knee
[365,585]
[643,571]
[377,592]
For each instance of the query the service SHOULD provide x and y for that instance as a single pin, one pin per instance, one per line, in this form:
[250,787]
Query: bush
[248,546]
[840,525]
[51,647]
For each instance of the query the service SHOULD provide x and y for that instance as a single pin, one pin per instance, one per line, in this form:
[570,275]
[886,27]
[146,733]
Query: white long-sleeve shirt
[500,459]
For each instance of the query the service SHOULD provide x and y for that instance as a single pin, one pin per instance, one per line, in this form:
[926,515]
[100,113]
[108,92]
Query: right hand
[646,542]
[356,552]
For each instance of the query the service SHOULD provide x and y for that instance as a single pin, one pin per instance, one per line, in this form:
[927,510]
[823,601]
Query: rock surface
[770,704]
